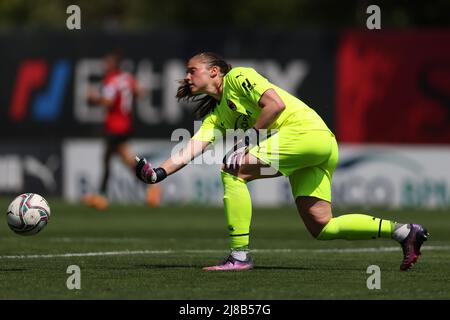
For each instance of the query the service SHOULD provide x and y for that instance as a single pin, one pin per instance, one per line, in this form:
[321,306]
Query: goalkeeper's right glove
[233,158]
[147,174]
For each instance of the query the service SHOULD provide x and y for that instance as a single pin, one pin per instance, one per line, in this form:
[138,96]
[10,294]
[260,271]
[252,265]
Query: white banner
[393,176]
[367,176]
[196,183]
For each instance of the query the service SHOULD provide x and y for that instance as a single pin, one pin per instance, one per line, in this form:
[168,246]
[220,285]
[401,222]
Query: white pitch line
[144,252]
[87,254]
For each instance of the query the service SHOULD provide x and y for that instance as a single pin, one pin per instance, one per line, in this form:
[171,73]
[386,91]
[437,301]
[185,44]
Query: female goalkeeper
[298,145]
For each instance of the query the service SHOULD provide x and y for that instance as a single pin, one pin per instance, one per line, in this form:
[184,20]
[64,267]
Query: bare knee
[126,156]
[233,172]
[240,172]
[316,213]
[319,221]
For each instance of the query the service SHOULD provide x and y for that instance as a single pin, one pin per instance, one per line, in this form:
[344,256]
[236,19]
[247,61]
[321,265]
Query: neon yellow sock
[356,227]
[238,209]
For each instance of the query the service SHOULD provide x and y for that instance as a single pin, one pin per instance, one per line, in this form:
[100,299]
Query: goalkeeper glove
[147,174]
[234,157]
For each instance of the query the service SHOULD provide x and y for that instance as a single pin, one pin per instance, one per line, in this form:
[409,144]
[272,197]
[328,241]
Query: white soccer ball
[28,214]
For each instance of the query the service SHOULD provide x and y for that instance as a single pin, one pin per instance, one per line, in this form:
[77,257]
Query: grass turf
[158,254]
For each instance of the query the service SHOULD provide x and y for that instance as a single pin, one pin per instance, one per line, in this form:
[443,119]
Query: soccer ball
[28,214]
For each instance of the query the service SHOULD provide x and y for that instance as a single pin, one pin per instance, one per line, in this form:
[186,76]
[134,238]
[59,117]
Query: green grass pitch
[135,252]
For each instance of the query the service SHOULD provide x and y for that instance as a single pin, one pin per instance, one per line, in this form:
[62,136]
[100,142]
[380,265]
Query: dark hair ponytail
[204,103]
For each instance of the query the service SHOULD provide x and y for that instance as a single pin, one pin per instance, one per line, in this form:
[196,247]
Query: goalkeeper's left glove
[234,157]
[147,174]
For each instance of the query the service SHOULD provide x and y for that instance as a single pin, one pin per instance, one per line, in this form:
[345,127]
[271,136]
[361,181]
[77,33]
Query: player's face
[198,76]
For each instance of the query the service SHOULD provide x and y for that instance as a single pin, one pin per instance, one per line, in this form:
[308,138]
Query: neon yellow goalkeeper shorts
[307,158]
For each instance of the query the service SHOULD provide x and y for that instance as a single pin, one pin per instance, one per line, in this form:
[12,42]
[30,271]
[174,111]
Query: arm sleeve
[209,130]
[249,83]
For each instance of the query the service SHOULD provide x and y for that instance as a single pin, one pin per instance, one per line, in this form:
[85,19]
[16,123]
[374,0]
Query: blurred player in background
[303,147]
[119,88]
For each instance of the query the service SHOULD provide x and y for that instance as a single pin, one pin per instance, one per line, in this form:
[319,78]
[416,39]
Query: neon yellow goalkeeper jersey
[239,108]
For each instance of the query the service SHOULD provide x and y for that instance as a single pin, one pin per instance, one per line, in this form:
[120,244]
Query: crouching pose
[298,144]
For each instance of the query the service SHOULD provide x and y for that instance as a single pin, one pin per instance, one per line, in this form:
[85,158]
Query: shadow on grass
[256,268]
[300,268]
[166,266]
[13,270]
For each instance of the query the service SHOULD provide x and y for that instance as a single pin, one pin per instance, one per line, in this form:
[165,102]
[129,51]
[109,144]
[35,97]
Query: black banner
[44,76]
